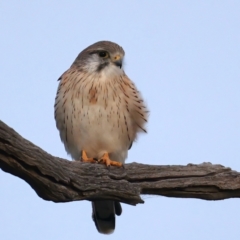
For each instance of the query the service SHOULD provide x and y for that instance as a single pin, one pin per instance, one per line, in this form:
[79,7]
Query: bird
[99,112]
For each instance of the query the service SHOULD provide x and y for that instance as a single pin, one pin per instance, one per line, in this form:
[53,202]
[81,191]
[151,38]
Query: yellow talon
[86,159]
[106,160]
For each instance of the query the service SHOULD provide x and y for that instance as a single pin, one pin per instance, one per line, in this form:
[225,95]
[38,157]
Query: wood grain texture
[60,180]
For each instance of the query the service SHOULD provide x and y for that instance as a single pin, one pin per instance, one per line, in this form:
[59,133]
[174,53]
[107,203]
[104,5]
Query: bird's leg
[85,158]
[106,160]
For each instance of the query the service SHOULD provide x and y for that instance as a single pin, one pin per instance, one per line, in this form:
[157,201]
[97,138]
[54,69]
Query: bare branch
[60,180]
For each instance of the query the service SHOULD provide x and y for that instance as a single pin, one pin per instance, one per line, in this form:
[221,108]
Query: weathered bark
[61,180]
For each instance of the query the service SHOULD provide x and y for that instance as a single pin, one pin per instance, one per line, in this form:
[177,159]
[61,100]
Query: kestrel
[99,112]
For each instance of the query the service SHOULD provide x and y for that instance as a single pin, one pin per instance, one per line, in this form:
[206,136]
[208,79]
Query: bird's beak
[117,60]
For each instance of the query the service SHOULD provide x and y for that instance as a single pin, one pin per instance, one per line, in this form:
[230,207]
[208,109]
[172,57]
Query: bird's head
[103,56]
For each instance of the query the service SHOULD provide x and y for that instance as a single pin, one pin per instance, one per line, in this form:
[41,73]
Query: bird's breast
[93,116]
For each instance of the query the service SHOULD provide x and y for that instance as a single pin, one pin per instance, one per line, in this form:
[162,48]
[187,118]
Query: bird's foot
[108,162]
[85,158]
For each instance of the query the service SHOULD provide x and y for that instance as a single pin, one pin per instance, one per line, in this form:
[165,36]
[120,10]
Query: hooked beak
[117,60]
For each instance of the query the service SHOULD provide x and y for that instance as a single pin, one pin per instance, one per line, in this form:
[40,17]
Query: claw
[85,158]
[108,162]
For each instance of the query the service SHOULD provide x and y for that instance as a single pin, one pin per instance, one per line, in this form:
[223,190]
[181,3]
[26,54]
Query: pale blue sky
[184,56]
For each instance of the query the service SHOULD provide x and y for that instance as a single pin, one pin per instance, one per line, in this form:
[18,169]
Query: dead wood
[60,180]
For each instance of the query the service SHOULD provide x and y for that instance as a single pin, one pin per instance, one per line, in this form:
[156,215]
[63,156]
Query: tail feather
[104,215]
[118,208]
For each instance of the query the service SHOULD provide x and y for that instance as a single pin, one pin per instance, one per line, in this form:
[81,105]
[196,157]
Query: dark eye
[103,54]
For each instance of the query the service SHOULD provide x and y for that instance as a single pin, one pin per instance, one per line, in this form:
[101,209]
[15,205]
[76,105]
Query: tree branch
[60,180]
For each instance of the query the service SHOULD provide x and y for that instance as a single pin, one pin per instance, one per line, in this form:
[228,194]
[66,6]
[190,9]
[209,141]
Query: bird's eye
[103,54]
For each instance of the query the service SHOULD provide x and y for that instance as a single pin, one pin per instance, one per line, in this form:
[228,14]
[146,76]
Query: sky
[184,58]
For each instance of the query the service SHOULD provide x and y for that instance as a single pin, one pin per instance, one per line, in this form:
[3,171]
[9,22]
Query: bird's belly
[98,130]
